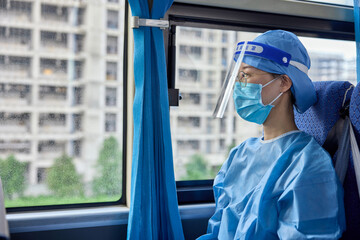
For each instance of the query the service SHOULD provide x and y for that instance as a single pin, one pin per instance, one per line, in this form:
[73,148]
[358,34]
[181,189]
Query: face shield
[243,49]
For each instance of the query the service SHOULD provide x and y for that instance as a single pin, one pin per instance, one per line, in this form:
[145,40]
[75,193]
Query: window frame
[190,15]
[122,201]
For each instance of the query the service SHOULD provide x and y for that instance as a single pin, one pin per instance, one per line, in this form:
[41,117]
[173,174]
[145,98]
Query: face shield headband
[250,49]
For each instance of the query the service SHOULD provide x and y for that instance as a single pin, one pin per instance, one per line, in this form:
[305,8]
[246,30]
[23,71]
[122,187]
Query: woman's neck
[280,120]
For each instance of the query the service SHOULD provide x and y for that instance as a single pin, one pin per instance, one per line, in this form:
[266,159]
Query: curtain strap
[137,22]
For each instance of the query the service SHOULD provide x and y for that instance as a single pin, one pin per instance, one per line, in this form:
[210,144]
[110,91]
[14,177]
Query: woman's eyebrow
[249,68]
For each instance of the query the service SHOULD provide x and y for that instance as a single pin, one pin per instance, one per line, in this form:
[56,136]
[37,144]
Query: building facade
[61,87]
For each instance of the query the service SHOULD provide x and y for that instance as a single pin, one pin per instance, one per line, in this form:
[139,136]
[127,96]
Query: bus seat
[351,198]
[320,118]
[318,121]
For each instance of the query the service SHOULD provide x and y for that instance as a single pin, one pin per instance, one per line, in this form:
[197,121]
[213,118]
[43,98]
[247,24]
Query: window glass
[61,108]
[201,143]
[331,60]
[338,2]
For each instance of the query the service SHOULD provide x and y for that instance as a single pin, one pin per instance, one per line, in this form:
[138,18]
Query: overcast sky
[326,46]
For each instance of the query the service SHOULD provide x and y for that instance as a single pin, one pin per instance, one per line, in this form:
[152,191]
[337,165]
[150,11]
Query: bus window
[202,143]
[61,102]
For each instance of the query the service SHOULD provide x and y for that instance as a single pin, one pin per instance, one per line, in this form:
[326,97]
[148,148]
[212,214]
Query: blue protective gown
[283,188]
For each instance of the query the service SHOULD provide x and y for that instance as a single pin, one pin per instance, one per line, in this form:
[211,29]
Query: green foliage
[55,200]
[198,168]
[12,173]
[108,166]
[63,179]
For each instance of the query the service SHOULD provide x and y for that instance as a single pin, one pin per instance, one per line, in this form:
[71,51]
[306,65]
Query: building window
[78,96]
[112,19]
[53,68]
[15,38]
[192,51]
[110,97]
[54,13]
[111,71]
[15,94]
[189,75]
[224,37]
[112,45]
[52,93]
[52,40]
[18,11]
[41,175]
[110,122]
[15,67]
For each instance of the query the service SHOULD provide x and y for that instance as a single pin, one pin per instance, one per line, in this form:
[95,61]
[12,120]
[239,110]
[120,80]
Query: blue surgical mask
[248,102]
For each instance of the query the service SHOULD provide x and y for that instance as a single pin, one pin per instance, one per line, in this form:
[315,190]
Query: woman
[282,185]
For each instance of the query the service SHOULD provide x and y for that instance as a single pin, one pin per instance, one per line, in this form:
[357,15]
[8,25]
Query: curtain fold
[154,210]
[357,36]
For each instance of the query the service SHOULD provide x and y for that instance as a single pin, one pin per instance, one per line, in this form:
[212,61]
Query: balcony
[186,148]
[191,33]
[51,150]
[14,123]
[11,72]
[191,100]
[13,44]
[15,12]
[52,96]
[53,69]
[189,77]
[15,39]
[56,42]
[14,147]
[11,94]
[52,123]
[52,15]
[15,67]
[189,125]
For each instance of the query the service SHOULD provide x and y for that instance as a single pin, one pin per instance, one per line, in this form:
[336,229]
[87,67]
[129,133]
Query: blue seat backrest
[351,198]
[320,118]
[318,121]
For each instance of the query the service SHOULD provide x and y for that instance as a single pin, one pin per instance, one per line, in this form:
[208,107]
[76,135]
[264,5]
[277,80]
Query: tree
[63,179]
[12,174]
[198,168]
[108,181]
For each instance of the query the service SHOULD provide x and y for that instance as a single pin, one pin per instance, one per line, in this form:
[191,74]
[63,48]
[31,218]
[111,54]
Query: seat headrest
[321,117]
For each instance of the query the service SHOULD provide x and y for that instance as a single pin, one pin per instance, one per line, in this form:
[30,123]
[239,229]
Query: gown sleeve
[312,208]
[221,201]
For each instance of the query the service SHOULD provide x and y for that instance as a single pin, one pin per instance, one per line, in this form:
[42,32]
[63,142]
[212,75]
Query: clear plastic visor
[254,49]
[229,82]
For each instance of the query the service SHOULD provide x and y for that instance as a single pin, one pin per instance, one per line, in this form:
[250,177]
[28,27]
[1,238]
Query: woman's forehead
[248,67]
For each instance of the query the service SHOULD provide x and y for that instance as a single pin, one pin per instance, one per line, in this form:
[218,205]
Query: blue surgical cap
[302,87]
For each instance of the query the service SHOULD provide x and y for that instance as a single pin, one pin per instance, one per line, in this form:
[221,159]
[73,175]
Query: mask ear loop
[278,95]
[271,81]
[275,99]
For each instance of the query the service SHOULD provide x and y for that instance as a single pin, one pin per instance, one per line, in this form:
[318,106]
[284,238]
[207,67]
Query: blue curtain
[357,36]
[154,210]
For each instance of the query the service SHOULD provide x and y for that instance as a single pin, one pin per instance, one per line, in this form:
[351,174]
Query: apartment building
[61,87]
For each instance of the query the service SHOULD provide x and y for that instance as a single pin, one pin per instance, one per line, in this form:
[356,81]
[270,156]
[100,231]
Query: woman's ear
[286,83]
